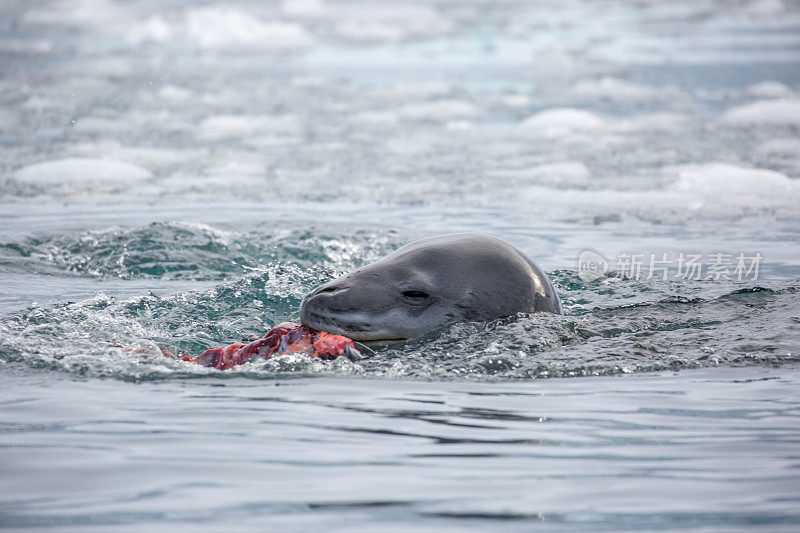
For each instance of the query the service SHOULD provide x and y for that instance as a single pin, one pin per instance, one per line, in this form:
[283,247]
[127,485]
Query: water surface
[180,174]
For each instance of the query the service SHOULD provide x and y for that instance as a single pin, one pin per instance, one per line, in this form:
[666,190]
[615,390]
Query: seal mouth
[329,324]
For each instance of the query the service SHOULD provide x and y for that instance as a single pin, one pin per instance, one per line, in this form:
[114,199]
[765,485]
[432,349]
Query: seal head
[428,284]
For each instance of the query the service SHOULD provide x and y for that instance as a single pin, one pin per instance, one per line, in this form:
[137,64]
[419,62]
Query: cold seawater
[180,174]
[701,450]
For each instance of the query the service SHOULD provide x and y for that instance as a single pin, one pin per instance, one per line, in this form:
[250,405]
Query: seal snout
[317,306]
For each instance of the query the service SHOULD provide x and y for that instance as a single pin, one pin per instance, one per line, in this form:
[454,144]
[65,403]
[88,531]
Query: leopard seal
[428,284]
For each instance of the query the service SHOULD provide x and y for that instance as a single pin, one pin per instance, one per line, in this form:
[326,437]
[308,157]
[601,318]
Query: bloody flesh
[285,338]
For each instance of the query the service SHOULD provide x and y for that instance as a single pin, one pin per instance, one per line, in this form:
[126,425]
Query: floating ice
[75,12]
[153,30]
[558,174]
[776,112]
[561,121]
[432,111]
[554,67]
[621,91]
[304,8]
[369,31]
[151,157]
[711,190]
[411,91]
[100,125]
[221,27]
[8,120]
[561,171]
[174,93]
[788,147]
[663,122]
[764,8]
[717,187]
[385,23]
[77,172]
[17,46]
[239,126]
[438,110]
[769,89]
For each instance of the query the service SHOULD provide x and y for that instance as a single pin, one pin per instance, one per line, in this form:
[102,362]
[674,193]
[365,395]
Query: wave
[178,250]
[611,326]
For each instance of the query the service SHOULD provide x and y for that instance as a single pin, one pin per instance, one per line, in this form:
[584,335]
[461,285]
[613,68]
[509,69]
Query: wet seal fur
[428,284]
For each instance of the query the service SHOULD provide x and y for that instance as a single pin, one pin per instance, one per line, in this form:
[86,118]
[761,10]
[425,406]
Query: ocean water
[180,174]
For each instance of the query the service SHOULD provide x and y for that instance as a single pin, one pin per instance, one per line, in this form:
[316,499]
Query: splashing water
[611,325]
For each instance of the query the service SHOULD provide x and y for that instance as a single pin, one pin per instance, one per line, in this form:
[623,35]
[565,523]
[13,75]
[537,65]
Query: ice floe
[304,8]
[438,110]
[154,30]
[774,112]
[787,147]
[562,121]
[222,127]
[764,8]
[385,23]
[622,92]
[769,89]
[720,187]
[224,27]
[81,174]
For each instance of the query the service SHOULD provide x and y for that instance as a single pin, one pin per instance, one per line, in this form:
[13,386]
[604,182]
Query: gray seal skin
[428,284]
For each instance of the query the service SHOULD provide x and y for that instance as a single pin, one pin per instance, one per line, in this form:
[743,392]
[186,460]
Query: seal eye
[415,295]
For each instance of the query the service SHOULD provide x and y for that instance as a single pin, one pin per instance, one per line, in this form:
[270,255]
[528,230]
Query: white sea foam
[775,112]
[223,27]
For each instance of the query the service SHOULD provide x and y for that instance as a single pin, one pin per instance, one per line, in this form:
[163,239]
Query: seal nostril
[326,289]
[415,295]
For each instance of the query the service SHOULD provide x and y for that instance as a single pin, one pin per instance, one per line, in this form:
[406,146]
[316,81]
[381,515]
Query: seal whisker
[361,347]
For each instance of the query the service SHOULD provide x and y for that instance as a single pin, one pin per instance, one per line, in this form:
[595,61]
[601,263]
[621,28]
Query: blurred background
[590,110]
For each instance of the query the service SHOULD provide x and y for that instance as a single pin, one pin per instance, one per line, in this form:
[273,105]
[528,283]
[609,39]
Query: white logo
[591,265]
